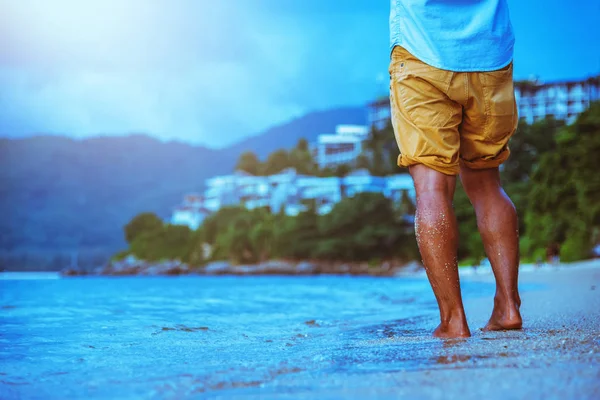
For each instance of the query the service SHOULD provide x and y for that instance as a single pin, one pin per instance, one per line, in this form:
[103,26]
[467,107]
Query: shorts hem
[487,164]
[405,161]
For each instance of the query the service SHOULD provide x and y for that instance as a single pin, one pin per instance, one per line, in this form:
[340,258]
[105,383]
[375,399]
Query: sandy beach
[555,356]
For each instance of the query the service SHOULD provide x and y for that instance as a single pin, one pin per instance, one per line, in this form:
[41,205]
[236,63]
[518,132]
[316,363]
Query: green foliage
[298,158]
[527,145]
[302,160]
[276,162]
[195,249]
[249,162]
[380,152]
[170,242]
[243,236]
[121,255]
[342,170]
[302,145]
[300,236]
[346,236]
[362,162]
[218,222]
[261,238]
[576,247]
[406,206]
[563,204]
[248,236]
[142,223]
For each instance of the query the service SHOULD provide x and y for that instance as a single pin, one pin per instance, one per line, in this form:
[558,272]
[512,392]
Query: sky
[213,72]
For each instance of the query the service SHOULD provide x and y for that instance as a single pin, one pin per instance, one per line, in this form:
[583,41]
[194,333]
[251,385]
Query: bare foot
[504,317]
[452,329]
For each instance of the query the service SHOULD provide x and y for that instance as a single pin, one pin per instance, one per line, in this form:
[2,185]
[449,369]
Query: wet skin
[437,236]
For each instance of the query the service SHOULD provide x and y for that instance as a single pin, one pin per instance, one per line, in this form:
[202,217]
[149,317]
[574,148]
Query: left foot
[504,317]
[503,324]
[445,332]
[454,328]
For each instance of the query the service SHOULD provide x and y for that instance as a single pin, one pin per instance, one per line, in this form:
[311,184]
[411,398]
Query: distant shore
[134,267]
[131,266]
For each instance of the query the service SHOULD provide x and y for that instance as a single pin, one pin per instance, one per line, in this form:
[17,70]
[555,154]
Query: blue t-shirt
[455,35]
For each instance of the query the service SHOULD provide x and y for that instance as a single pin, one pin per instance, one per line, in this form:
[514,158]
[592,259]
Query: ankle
[507,301]
[453,316]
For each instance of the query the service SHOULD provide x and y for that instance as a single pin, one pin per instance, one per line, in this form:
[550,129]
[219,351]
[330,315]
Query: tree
[342,170]
[240,235]
[261,238]
[382,151]
[527,146]
[302,145]
[302,160]
[168,243]
[407,207]
[249,162]
[564,204]
[277,162]
[346,236]
[297,237]
[195,255]
[327,171]
[362,162]
[143,223]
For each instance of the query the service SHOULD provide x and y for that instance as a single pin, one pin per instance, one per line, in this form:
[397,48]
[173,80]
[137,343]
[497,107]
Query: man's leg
[437,237]
[498,226]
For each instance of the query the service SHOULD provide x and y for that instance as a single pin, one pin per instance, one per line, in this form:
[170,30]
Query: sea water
[194,336]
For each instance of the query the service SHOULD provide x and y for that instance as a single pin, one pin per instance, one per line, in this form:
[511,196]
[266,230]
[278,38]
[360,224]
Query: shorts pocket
[420,90]
[500,104]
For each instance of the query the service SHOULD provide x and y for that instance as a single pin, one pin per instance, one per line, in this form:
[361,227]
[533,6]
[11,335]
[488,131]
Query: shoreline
[259,349]
[134,267]
[555,356]
[283,268]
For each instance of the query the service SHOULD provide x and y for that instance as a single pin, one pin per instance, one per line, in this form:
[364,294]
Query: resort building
[191,213]
[343,147]
[560,100]
[535,100]
[286,192]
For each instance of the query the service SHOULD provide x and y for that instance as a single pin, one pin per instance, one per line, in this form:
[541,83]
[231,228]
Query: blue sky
[212,72]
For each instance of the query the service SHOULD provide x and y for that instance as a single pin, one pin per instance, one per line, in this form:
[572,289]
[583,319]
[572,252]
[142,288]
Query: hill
[65,193]
[60,195]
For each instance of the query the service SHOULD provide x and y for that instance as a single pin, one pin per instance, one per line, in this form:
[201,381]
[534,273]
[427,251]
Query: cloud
[200,71]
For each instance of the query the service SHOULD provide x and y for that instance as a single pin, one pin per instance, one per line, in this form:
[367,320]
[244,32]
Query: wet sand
[555,356]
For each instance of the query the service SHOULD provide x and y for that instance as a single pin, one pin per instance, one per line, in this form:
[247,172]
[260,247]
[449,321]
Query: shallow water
[168,337]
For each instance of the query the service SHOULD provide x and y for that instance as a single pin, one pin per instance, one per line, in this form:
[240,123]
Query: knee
[480,183]
[432,185]
[477,188]
[432,196]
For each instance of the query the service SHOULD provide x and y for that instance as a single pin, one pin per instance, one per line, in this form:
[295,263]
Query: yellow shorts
[441,117]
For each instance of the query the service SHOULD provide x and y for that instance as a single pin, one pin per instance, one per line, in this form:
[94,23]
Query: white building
[286,192]
[535,101]
[191,213]
[560,100]
[340,148]
[241,187]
